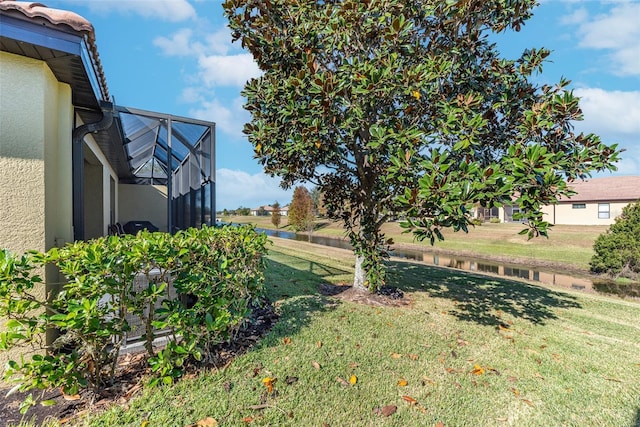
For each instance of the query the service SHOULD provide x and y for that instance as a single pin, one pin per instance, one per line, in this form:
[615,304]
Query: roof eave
[61,50]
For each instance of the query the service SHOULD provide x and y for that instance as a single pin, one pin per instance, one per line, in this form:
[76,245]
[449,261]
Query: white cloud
[578,16]
[167,10]
[182,43]
[615,117]
[611,112]
[617,32]
[220,41]
[215,66]
[230,70]
[229,119]
[179,44]
[237,188]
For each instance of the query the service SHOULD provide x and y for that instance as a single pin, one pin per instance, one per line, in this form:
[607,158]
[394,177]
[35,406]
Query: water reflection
[535,274]
[506,270]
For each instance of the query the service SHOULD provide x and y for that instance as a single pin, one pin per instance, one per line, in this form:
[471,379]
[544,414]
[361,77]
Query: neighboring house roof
[609,189]
[57,51]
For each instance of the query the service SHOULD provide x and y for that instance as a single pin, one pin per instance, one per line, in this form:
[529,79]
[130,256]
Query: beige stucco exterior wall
[36,120]
[143,203]
[564,213]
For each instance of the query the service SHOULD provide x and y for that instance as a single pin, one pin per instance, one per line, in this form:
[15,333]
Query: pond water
[518,271]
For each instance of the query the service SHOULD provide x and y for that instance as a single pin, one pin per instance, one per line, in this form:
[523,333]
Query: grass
[567,245]
[474,351]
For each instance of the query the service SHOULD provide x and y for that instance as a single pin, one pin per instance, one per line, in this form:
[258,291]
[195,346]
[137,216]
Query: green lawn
[473,350]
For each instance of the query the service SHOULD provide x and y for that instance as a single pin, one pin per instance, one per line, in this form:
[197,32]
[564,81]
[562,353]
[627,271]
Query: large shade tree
[405,107]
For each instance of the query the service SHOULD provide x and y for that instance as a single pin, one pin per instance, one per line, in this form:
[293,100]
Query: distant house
[598,202]
[264,210]
[267,210]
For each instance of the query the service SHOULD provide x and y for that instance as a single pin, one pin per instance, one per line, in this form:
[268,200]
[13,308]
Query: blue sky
[176,56]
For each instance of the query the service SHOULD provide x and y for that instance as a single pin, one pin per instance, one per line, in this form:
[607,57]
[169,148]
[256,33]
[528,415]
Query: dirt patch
[387,296]
[129,378]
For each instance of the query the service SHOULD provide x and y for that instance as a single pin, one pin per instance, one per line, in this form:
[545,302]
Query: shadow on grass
[480,298]
[292,284]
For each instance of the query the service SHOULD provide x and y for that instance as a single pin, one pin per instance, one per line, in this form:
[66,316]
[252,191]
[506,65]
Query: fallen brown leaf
[315,365]
[528,402]
[259,407]
[342,381]
[386,410]
[477,370]
[413,356]
[402,382]
[286,341]
[70,397]
[268,383]
[410,399]
[396,355]
[207,422]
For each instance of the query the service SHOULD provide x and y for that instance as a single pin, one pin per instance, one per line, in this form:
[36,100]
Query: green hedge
[197,286]
[617,251]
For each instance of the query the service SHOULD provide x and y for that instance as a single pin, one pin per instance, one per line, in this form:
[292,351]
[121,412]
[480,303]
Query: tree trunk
[360,278]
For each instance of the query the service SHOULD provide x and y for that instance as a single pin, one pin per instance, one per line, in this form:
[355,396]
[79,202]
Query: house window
[578,206]
[603,210]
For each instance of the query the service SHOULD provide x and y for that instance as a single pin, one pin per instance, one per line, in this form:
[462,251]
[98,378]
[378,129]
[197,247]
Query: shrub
[617,251]
[196,286]
[494,220]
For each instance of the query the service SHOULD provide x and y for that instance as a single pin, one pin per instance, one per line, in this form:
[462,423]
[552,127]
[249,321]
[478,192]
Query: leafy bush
[196,287]
[617,251]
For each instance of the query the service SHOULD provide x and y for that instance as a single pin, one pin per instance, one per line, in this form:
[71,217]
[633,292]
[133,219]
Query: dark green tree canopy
[406,108]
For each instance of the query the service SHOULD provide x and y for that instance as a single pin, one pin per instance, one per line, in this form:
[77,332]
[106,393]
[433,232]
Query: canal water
[518,271]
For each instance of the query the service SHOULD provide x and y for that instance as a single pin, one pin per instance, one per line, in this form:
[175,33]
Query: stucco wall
[35,159]
[36,120]
[143,203]
[565,213]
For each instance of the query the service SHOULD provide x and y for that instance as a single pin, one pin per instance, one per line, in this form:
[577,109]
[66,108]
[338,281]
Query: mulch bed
[129,378]
[387,296]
